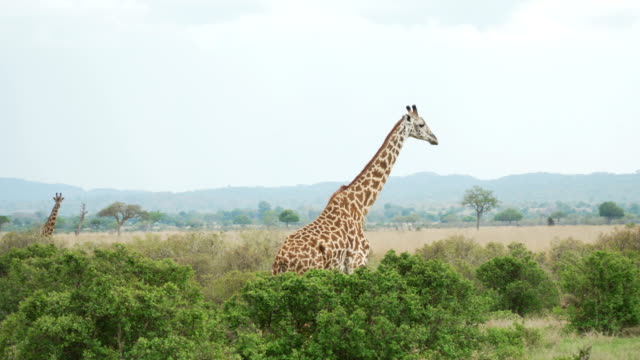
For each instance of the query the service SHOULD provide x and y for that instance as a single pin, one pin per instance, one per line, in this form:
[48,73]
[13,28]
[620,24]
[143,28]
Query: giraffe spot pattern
[335,239]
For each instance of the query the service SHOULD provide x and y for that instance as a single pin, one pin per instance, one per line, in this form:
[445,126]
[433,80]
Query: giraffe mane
[335,193]
[384,144]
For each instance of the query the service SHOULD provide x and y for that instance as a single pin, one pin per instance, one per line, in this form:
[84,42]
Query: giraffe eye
[421,125]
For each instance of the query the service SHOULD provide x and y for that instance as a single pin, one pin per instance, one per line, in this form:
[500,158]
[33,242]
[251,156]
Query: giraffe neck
[47,230]
[364,189]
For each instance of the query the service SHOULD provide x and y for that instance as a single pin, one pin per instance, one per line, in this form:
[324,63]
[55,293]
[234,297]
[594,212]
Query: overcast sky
[178,95]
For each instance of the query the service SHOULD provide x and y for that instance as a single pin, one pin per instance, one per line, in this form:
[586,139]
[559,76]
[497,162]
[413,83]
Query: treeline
[387,216]
[202,296]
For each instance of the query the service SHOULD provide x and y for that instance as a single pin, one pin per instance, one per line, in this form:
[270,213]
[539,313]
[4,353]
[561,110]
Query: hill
[419,190]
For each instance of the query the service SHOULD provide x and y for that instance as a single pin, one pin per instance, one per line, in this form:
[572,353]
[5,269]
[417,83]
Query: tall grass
[536,238]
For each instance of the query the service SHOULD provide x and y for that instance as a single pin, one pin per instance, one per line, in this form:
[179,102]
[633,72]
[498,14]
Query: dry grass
[108,238]
[548,322]
[536,238]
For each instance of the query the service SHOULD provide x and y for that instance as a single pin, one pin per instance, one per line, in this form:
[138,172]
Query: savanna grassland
[508,292]
[536,238]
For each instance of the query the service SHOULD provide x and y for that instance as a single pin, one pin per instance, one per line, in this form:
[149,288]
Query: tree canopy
[122,212]
[610,210]
[509,215]
[481,200]
[289,216]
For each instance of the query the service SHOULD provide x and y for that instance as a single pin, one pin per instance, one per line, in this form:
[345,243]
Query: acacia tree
[481,200]
[289,216]
[610,210]
[122,212]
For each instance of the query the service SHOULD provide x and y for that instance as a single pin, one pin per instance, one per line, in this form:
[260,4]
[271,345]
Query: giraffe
[335,239]
[47,229]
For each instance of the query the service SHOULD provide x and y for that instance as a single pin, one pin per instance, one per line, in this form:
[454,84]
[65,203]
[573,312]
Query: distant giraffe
[47,229]
[335,239]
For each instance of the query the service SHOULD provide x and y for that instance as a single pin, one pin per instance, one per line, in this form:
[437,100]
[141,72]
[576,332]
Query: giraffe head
[418,127]
[58,198]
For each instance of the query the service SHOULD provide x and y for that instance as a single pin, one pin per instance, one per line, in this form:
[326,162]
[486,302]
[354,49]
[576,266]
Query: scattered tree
[610,210]
[289,216]
[270,218]
[153,217]
[242,219]
[263,207]
[481,200]
[83,212]
[122,212]
[4,220]
[557,215]
[509,215]
[550,221]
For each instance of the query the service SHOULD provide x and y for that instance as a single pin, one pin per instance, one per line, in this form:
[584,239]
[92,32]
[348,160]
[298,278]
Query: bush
[202,251]
[255,252]
[502,343]
[566,253]
[520,284]
[222,288]
[625,239]
[606,291]
[464,254]
[220,267]
[22,239]
[63,304]
[409,307]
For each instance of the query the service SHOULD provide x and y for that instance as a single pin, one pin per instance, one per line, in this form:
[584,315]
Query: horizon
[183,95]
[322,182]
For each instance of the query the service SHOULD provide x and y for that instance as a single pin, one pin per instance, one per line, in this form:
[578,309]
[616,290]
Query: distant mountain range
[421,190]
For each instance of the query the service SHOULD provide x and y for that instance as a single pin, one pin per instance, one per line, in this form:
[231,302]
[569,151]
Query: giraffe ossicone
[47,229]
[335,239]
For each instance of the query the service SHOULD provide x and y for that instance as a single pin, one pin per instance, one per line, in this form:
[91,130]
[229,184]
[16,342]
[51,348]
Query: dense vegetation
[197,296]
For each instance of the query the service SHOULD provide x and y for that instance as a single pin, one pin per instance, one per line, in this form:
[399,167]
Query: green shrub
[210,254]
[408,308]
[221,267]
[464,254]
[566,253]
[508,343]
[503,343]
[220,289]
[204,252]
[520,284]
[62,304]
[606,291]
